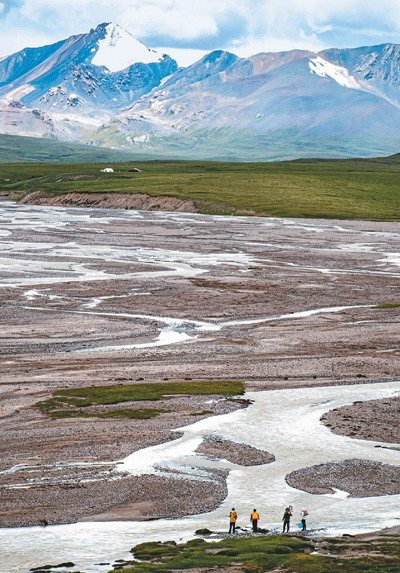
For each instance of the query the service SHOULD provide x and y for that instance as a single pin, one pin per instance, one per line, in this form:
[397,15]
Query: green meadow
[340,189]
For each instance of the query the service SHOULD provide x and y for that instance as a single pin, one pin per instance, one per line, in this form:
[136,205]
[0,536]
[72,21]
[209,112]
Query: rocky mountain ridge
[105,88]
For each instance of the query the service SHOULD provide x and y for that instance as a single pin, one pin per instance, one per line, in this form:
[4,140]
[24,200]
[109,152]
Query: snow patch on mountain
[119,49]
[325,69]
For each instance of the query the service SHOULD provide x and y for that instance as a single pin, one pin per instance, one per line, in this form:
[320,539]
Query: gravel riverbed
[94,297]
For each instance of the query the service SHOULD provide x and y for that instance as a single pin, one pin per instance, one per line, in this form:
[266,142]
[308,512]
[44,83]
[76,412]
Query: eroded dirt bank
[113,201]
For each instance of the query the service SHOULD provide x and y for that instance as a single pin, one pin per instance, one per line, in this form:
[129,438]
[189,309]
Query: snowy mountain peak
[119,49]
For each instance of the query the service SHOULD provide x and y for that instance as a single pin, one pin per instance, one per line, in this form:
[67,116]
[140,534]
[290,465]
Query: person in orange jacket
[254,517]
[232,520]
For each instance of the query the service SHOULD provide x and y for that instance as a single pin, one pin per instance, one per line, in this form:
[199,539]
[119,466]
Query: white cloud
[176,20]
[277,25]
[245,27]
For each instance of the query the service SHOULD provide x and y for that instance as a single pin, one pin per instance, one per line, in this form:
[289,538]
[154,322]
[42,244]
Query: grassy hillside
[353,189]
[223,144]
[14,148]
[228,144]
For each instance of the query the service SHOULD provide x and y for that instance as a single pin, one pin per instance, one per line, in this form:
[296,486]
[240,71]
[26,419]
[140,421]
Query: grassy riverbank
[267,553]
[344,189]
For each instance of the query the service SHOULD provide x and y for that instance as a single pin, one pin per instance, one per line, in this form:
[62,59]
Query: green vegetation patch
[344,189]
[264,552]
[388,305]
[142,414]
[63,404]
[202,413]
[259,554]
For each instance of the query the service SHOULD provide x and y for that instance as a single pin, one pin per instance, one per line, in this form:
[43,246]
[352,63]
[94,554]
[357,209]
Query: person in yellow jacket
[232,520]
[254,517]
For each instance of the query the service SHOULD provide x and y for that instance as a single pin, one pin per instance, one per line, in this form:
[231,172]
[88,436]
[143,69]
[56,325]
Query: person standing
[232,520]
[304,514]
[254,517]
[286,518]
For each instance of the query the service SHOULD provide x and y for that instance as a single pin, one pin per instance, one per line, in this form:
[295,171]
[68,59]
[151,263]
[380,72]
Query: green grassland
[343,189]
[64,403]
[267,553]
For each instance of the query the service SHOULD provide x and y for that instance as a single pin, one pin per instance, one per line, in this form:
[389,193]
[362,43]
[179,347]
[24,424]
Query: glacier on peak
[119,49]
[325,69]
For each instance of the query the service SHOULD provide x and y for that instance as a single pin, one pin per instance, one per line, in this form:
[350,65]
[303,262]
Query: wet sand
[183,297]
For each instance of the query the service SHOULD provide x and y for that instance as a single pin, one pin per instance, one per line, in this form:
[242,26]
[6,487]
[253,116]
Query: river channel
[283,422]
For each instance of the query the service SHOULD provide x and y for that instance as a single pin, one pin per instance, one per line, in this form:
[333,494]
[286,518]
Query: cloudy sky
[191,27]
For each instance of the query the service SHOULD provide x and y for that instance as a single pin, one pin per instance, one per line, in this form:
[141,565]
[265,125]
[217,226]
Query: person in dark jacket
[286,518]
[254,517]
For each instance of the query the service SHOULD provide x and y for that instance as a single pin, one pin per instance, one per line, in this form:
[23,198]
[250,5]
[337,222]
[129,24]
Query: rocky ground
[241,454]
[104,497]
[85,295]
[359,478]
[375,420]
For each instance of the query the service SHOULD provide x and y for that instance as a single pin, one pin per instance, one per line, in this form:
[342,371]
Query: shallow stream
[282,422]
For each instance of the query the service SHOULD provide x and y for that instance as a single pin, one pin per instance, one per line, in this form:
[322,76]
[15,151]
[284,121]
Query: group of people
[254,518]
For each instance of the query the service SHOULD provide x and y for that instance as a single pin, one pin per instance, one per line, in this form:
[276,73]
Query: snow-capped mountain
[119,50]
[90,74]
[108,89]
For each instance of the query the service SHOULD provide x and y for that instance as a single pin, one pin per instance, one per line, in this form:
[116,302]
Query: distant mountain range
[107,89]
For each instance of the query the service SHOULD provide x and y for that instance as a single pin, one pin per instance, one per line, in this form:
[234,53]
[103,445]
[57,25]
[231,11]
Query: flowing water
[282,422]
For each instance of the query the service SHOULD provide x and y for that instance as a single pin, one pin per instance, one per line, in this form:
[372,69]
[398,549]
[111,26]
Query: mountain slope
[15,149]
[294,96]
[108,89]
[89,73]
